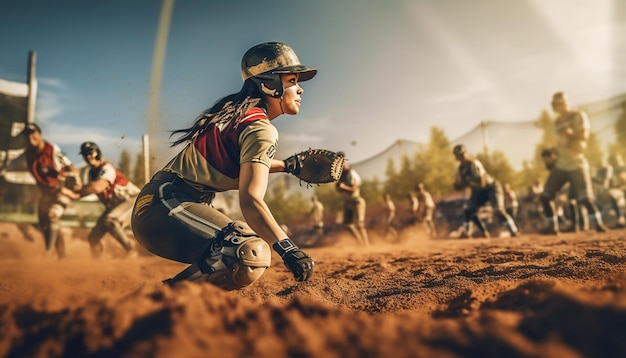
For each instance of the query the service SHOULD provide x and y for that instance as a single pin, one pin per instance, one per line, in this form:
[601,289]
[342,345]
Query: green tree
[545,122]
[535,169]
[285,206]
[372,191]
[124,163]
[498,166]
[392,177]
[398,183]
[620,132]
[327,194]
[435,165]
[138,176]
[594,151]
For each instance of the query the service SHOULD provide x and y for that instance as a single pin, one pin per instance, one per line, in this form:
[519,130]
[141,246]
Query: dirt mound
[531,296]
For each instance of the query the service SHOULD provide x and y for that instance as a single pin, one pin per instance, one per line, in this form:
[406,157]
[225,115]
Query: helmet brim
[306,73]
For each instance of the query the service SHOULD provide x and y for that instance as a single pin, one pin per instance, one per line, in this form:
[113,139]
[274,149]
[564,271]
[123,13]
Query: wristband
[284,246]
[291,165]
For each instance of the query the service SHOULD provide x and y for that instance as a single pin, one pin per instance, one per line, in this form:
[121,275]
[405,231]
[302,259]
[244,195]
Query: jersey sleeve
[356,179]
[478,170]
[108,173]
[258,143]
[580,124]
[59,159]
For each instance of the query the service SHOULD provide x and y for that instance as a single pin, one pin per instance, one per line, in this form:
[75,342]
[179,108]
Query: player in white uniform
[354,205]
[484,189]
[117,194]
[571,166]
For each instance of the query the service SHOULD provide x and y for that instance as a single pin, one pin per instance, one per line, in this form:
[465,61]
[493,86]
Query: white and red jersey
[47,165]
[120,189]
[211,162]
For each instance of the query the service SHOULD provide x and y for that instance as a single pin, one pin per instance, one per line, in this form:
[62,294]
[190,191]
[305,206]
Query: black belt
[176,180]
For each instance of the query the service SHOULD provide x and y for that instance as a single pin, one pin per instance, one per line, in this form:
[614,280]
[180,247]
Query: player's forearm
[277,166]
[260,219]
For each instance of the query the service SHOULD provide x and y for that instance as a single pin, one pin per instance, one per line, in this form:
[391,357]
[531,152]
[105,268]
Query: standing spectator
[426,208]
[534,191]
[390,216]
[50,167]
[413,208]
[484,190]
[617,186]
[571,166]
[117,194]
[317,216]
[354,206]
[533,211]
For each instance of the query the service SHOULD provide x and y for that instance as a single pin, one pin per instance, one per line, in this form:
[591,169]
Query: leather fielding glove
[296,260]
[315,166]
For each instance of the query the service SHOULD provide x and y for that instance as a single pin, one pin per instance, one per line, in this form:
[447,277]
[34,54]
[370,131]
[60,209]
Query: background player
[484,189]
[117,194]
[50,168]
[571,166]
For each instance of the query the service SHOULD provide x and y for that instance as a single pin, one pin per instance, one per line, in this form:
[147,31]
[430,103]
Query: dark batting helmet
[264,63]
[459,150]
[90,147]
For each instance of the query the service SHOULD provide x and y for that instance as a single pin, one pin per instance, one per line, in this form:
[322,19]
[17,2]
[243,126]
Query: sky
[387,69]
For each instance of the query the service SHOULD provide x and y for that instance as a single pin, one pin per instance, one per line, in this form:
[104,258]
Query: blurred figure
[390,215]
[426,208]
[565,199]
[571,166]
[511,203]
[603,175]
[617,187]
[484,190]
[117,194]
[413,208]
[354,206]
[317,216]
[50,168]
[534,191]
[602,184]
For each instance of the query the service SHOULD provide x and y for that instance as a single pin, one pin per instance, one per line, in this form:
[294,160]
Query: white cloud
[69,137]
[51,82]
[48,106]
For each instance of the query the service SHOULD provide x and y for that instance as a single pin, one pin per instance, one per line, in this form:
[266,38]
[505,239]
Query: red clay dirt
[531,296]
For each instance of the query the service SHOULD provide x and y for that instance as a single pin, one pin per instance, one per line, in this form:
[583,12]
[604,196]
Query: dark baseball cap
[31,128]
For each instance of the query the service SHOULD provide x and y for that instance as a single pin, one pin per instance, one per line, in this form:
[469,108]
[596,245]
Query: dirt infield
[532,296]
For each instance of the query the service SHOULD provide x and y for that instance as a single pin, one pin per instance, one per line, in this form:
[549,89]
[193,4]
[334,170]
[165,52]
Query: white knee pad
[238,259]
[56,212]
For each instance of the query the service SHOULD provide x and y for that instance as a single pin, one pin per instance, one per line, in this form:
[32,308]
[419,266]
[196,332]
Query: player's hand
[296,260]
[69,193]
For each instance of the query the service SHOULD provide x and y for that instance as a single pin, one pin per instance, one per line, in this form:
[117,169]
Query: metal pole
[32,87]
